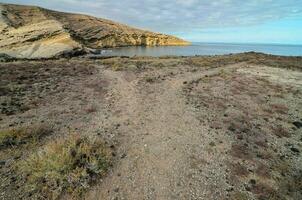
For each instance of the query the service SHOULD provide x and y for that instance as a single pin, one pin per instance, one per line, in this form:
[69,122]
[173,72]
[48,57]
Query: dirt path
[178,128]
[165,146]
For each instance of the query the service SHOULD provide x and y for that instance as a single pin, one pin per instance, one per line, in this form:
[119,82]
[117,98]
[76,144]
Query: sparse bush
[116,66]
[91,109]
[238,195]
[279,108]
[222,73]
[149,79]
[22,135]
[69,165]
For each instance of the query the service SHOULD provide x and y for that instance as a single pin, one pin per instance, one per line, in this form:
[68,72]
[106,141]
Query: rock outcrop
[34,32]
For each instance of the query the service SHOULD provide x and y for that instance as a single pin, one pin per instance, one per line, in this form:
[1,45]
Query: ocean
[205,49]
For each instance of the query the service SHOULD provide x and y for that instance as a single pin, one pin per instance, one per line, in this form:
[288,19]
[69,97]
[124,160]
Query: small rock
[230,189]
[295,150]
[13,179]
[240,137]
[231,128]
[2,162]
[248,188]
[123,155]
[297,124]
[253,181]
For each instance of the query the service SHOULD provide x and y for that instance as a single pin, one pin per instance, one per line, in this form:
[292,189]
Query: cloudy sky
[240,21]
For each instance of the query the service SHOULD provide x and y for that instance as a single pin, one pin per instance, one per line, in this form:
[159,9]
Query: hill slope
[34,32]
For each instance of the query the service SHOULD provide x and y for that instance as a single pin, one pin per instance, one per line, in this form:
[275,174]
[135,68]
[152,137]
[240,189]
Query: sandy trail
[178,128]
[165,145]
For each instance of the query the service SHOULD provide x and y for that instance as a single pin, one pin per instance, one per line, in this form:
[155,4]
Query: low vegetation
[251,112]
[22,135]
[70,165]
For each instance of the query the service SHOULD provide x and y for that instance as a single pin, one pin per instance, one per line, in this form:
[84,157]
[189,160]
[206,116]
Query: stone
[5,58]
[253,182]
[295,150]
[2,162]
[297,124]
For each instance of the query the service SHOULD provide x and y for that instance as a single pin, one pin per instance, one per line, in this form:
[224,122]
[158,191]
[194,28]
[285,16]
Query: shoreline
[6,58]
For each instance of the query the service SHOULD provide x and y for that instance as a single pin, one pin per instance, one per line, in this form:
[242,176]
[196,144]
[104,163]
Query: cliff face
[34,32]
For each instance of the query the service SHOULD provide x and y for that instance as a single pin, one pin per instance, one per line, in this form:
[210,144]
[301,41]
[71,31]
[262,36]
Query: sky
[229,21]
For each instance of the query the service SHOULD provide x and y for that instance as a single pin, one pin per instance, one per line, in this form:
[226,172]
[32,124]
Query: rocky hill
[35,32]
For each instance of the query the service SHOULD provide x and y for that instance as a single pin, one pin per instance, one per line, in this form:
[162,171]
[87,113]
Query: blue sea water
[205,49]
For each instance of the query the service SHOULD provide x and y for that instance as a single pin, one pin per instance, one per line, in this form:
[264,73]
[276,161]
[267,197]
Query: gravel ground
[219,127]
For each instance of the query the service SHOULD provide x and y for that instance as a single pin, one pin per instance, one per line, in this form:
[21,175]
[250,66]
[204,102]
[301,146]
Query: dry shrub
[280,132]
[279,108]
[265,154]
[241,151]
[259,139]
[91,109]
[69,165]
[264,191]
[292,184]
[22,135]
[239,170]
[116,64]
[150,79]
[239,196]
[263,171]
[239,125]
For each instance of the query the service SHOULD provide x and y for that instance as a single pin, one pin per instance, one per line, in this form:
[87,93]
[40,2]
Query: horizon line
[252,43]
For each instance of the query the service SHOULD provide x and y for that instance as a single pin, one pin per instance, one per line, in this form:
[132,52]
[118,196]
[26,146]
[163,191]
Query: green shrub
[65,165]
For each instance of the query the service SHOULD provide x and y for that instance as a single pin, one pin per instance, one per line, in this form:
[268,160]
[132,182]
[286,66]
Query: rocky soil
[34,32]
[212,127]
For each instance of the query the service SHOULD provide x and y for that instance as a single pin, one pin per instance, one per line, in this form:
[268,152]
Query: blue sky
[240,21]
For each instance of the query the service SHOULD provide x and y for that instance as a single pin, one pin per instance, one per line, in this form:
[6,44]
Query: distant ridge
[35,32]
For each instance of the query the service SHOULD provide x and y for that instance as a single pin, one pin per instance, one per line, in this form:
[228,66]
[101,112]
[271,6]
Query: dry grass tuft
[241,151]
[70,165]
[239,170]
[91,109]
[22,135]
[279,108]
[239,196]
[280,131]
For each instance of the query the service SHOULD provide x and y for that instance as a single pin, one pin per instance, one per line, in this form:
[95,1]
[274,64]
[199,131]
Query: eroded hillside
[34,32]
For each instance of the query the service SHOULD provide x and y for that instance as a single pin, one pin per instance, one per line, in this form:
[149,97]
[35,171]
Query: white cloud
[178,15]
